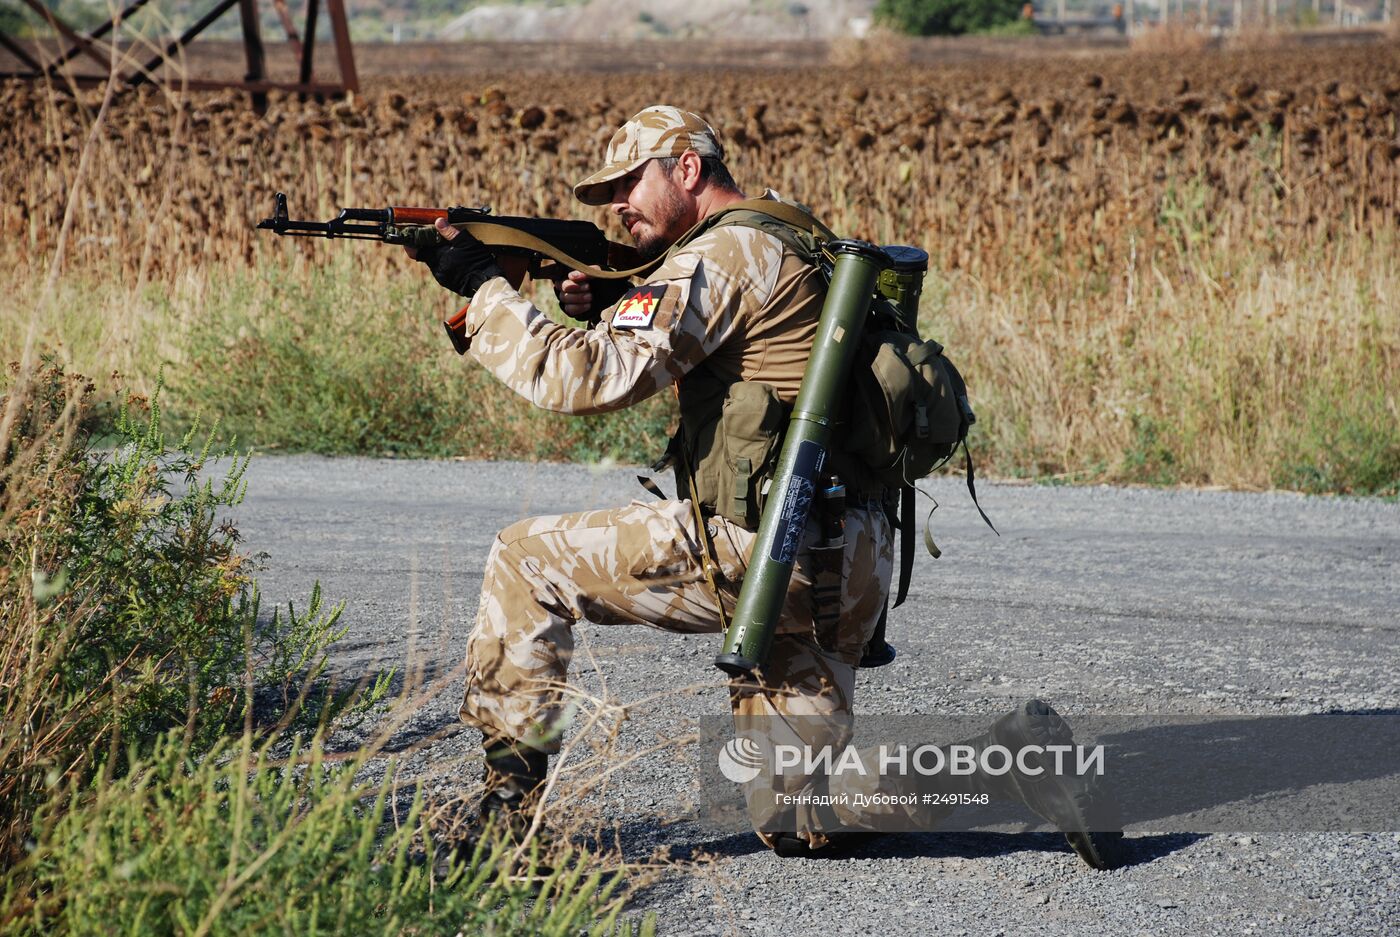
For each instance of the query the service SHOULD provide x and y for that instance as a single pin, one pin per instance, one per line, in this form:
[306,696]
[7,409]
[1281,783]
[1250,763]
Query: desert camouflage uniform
[738,303]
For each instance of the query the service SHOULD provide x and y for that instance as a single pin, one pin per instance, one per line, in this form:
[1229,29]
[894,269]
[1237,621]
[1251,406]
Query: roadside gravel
[1101,600]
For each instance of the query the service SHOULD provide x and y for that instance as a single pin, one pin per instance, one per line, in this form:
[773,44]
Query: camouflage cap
[657,132]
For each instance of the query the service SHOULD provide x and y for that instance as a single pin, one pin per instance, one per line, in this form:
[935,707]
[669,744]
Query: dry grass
[1173,38]
[881,46]
[976,161]
[1104,212]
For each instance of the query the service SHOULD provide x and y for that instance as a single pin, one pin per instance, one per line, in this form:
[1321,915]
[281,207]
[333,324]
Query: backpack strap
[794,216]
[972,489]
[905,523]
[794,225]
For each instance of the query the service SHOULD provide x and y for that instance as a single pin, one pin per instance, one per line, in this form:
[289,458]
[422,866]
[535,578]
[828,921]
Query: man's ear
[691,171]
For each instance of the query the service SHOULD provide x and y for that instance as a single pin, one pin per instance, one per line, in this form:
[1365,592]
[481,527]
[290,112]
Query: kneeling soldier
[728,319]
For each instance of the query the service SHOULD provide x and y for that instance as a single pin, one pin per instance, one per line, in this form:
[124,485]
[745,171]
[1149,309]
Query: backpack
[907,414]
[906,411]
[908,406]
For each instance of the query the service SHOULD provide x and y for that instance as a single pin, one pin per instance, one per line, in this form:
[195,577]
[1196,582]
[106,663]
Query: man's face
[653,208]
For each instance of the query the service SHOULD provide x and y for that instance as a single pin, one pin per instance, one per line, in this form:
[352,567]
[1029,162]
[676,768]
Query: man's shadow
[1253,773]
[682,845]
[1325,772]
[1219,774]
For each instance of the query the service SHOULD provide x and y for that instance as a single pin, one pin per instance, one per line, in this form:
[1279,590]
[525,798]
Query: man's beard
[661,226]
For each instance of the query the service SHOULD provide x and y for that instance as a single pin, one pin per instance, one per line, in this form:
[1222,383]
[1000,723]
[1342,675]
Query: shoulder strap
[796,227]
[794,216]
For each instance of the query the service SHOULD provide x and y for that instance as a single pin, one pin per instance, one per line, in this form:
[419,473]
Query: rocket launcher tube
[855,267]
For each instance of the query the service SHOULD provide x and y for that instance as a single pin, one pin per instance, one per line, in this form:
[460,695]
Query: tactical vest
[731,429]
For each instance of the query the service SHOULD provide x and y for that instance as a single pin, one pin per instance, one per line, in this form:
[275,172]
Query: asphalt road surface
[1100,600]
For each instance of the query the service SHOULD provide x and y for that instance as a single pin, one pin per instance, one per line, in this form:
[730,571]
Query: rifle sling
[498,235]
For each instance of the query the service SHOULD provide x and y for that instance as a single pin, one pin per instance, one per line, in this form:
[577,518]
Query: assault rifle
[542,247]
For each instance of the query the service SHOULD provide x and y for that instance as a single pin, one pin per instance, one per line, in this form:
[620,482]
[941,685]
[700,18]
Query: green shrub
[246,842]
[1346,444]
[1017,27]
[126,604]
[131,647]
[13,23]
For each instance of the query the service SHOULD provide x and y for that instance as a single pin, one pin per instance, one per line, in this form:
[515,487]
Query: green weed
[250,841]
[127,605]
[1347,444]
[331,363]
[130,801]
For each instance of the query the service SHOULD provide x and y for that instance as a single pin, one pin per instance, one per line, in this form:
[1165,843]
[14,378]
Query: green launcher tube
[855,267]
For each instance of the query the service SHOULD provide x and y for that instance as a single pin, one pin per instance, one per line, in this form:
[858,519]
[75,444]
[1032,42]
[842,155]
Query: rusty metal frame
[255,80]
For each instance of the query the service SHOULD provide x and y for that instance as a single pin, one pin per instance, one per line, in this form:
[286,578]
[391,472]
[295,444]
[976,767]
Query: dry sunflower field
[1153,268]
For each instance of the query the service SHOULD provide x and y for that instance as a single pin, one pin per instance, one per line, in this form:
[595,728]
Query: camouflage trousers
[642,565]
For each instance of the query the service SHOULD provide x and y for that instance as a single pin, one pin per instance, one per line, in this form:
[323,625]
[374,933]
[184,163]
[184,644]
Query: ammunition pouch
[728,458]
[731,456]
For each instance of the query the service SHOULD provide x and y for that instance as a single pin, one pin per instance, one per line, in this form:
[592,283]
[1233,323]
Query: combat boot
[513,780]
[832,842]
[1078,806]
[838,844]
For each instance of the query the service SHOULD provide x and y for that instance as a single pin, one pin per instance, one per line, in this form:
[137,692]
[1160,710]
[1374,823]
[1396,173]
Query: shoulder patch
[638,307]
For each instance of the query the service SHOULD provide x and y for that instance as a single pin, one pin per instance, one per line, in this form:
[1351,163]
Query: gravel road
[1101,600]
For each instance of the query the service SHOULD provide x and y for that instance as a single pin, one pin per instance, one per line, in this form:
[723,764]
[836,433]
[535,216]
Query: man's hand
[576,295]
[584,299]
[461,263]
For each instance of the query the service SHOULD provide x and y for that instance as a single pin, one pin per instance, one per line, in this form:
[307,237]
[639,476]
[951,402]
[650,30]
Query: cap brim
[594,189]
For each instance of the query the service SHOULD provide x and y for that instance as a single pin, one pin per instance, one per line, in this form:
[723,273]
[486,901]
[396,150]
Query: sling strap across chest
[788,218]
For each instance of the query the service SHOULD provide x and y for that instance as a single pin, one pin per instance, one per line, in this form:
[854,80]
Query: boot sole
[1095,833]
[1102,851]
